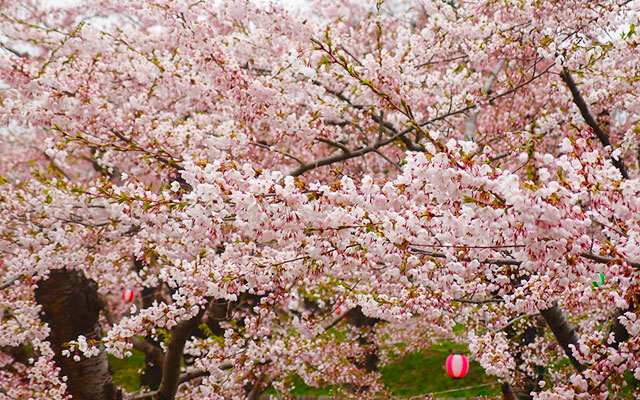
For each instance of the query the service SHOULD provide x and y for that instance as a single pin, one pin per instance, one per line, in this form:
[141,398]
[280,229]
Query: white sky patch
[293,5]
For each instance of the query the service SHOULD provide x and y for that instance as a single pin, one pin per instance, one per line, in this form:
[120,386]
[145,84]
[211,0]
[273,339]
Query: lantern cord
[428,395]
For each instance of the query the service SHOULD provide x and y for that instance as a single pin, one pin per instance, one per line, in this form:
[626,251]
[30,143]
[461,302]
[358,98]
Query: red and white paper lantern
[128,295]
[341,311]
[457,365]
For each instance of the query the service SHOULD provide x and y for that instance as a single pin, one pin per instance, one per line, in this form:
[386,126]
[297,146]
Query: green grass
[415,374]
[425,372]
[302,389]
[421,373]
[125,370]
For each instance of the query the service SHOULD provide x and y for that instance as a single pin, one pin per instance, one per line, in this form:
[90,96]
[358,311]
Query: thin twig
[343,157]
[351,55]
[442,61]
[15,52]
[265,146]
[186,377]
[499,261]
[514,320]
[462,246]
[378,152]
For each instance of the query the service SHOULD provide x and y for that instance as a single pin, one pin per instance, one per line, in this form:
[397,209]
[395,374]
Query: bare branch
[606,260]
[15,52]
[513,321]
[456,390]
[511,261]
[446,60]
[196,373]
[343,156]
[186,377]
[499,261]
[291,156]
[351,55]
[9,281]
[378,152]
[340,146]
[398,135]
[470,126]
[494,75]
[481,301]
[588,117]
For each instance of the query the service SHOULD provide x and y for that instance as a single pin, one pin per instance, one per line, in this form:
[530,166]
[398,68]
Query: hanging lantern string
[429,395]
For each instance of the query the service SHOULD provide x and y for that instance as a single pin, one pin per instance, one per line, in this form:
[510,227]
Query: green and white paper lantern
[599,281]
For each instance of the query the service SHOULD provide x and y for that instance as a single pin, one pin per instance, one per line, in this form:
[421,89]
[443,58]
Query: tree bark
[563,331]
[620,333]
[173,357]
[70,305]
[357,318]
[578,100]
[154,356]
[508,393]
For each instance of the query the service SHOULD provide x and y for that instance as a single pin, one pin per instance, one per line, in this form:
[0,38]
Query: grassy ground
[416,374]
[126,371]
[425,372]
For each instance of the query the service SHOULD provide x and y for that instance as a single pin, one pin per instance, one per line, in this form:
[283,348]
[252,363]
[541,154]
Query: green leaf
[368,83]
[324,61]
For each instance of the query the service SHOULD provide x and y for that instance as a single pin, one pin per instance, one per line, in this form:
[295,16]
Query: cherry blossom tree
[312,193]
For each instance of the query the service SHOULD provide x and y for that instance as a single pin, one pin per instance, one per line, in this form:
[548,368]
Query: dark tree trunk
[508,393]
[563,331]
[357,318]
[620,333]
[70,305]
[173,357]
[526,384]
[152,373]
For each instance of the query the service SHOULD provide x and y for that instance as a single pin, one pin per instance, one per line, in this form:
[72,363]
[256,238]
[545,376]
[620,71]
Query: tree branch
[186,377]
[13,51]
[344,156]
[563,331]
[378,152]
[152,352]
[291,156]
[173,358]
[588,117]
[511,261]
[9,281]
[472,119]
[606,260]
[340,146]
[499,261]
